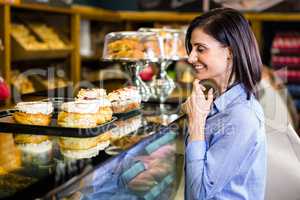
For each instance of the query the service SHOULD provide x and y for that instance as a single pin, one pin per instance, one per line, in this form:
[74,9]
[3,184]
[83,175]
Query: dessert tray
[8,125]
[128,114]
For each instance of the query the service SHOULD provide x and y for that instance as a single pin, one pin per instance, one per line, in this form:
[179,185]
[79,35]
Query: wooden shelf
[98,14]
[157,16]
[43,7]
[273,16]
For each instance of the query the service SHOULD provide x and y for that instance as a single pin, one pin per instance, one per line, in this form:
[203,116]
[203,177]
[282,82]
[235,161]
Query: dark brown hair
[232,30]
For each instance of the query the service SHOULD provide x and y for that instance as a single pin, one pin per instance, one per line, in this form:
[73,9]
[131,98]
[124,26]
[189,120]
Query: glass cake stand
[134,50]
[171,41]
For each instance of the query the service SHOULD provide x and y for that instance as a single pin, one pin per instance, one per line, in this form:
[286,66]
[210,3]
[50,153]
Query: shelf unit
[129,18]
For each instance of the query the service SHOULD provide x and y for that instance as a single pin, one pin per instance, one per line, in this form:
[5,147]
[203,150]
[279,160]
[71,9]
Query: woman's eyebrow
[199,44]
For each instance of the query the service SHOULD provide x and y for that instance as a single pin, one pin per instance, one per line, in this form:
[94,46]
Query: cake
[78,114]
[97,95]
[125,99]
[33,113]
[78,148]
[125,127]
[104,113]
[93,93]
[85,113]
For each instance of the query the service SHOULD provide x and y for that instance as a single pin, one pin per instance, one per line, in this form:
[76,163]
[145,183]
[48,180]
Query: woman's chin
[201,77]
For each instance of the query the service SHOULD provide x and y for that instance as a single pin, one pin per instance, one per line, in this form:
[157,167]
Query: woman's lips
[199,67]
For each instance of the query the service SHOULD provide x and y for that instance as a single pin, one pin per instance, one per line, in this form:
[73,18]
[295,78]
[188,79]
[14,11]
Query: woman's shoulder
[246,112]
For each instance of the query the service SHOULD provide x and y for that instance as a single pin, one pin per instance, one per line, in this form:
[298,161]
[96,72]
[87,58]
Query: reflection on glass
[134,69]
[147,171]
[162,85]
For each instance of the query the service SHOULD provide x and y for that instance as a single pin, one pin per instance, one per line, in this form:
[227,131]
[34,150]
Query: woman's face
[209,58]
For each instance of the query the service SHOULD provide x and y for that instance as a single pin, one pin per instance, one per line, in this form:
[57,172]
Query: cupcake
[33,113]
[125,99]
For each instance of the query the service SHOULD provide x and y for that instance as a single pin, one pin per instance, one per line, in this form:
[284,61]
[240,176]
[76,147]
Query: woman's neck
[226,83]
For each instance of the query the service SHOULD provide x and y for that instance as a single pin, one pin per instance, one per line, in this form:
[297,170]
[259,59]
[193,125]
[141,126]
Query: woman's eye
[200,49]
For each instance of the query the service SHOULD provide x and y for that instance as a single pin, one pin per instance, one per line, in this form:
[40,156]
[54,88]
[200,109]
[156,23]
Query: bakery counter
[141,162]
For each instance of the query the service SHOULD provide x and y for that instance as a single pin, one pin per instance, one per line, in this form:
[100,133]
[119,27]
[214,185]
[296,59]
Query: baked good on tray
[78,148]
[92,93]
[33,143]
[99,96]
[33,113]
[85,113]
[125,127]
[104,113]
[78,115]
[129,48]
[125,99]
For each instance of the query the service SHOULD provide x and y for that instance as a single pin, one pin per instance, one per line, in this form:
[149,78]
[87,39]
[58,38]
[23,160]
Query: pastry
[78,148]
[33,113]
[26,39]
[48,35]
[78,114]
[99,96]
[21,82]
[125,99]
[93,93]
[125,127]
[104,113]
[10,158]
[85,113]
[126,48]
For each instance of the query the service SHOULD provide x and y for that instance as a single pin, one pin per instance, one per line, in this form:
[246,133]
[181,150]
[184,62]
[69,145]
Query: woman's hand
[197,107]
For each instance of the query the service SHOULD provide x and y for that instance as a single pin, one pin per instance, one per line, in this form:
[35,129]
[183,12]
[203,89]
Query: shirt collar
[221,102]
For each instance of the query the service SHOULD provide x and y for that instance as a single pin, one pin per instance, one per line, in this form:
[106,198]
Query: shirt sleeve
[209,169]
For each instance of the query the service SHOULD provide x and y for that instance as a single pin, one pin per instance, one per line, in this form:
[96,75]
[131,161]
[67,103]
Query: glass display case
[147,171]
[144,166]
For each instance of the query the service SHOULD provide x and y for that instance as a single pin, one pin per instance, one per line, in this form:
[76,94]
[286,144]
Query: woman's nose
[192,57]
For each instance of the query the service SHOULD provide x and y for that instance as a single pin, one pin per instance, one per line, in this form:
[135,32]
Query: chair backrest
[283,178]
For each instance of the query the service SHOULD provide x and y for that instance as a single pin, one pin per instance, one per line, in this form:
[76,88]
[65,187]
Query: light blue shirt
[231,163]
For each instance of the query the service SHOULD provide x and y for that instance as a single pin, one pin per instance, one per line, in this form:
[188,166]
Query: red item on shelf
[4,90]
[289,75]
[146,74]
[286,43]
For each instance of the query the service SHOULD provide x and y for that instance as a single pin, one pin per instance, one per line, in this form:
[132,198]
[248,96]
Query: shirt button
[212,183]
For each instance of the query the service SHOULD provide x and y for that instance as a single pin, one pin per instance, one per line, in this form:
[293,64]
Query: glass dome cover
[132,46]
[172,42]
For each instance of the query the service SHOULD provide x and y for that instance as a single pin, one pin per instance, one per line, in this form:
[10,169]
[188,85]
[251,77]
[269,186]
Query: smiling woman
[225,145]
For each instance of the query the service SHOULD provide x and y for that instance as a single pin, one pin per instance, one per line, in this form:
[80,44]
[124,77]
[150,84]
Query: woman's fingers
[198,89]
[198,103]
[210,95]
[184,107]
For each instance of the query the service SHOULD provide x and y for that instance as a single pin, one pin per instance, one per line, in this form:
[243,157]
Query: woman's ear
[229,57]
[229,53]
